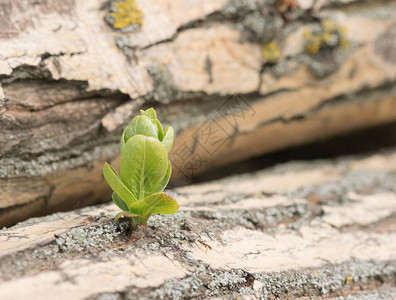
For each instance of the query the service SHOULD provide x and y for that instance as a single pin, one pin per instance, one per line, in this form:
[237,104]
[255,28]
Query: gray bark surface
[70,81]
[319,229]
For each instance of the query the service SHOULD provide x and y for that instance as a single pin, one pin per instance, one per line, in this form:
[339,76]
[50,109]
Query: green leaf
[166,178]
[122,143]
[144,164]
[117,185]
[168,138]
[140,125]
[126,214]
[160,131]
[145,169]
[150,113]
[119,202]
[158,203]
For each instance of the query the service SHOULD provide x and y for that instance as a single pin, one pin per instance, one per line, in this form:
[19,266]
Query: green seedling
[144,170]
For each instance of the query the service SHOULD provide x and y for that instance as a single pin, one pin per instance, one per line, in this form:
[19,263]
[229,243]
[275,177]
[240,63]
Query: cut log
[259,75]
[307,229]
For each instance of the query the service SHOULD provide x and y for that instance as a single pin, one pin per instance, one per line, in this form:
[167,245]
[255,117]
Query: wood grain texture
[313,229]
[69,82]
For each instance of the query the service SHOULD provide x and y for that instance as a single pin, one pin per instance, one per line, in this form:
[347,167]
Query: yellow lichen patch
[271,52]
[328,25]
[127,14]
[343,40]
[314,43]
[349,279]
[329,35]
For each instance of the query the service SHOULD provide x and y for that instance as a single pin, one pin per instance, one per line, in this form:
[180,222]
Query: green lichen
[326,281]
[125,15]
[326,46]
[90,239]
[271,52]
[164,90]
[258,21]
[327,35]
[241,7]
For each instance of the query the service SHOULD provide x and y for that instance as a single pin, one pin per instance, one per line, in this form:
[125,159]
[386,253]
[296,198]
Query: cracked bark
[63,103]
[318,229]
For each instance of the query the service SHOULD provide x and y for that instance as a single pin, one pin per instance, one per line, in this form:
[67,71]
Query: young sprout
[144,170]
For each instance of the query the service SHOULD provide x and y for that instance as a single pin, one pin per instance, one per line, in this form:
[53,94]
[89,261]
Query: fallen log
[298,230]
[263,75]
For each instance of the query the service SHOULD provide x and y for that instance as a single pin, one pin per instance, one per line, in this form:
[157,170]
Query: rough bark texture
[70,80]
[307,229]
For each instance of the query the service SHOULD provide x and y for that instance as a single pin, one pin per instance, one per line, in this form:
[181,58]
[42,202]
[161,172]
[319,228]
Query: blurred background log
[236,79]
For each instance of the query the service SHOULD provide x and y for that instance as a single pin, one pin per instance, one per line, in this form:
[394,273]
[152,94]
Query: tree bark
[299,230]
[71,78]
